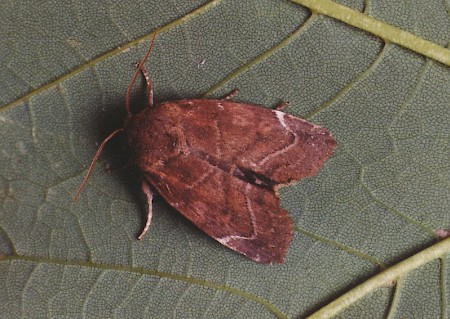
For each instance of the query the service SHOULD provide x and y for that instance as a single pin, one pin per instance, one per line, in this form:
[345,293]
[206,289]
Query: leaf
[367,227]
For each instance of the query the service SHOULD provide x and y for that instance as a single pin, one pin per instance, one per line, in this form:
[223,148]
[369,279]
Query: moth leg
[231,95]
[149,194]
[281,106]
[148,82]
[141,68]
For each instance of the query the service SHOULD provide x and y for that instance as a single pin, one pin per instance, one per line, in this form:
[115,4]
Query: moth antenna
[140,68]
[94,160]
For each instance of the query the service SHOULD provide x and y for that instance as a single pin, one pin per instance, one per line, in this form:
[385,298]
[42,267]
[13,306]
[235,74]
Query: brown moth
[220,164]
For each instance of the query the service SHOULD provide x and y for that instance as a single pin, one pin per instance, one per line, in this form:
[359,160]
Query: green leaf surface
[368,228]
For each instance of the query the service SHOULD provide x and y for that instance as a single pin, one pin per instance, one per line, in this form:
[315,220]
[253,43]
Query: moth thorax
[152,140]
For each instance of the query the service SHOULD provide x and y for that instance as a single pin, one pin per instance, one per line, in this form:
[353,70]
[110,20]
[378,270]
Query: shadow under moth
[220,164]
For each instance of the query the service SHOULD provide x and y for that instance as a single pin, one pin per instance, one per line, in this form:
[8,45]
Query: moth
[220,164]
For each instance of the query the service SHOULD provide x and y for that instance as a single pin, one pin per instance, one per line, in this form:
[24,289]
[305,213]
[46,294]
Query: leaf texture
[382,198]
